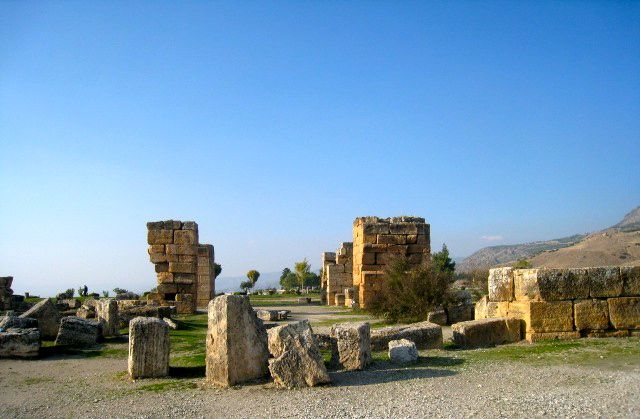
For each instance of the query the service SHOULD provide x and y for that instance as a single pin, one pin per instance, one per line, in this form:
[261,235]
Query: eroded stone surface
[20,343]
[107,315]
[236,342]
[425,335]
[297,361]
[48,318]
[148,348]
[353,344]
[78,332]
[486,332]
[402,351]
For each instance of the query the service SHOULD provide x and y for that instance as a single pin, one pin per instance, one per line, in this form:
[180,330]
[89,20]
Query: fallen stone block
[438,317]
[304,300]
[353,341]
[20,343]
[77,332]
[605,281]
[607,333]
[125,315]
[107,315]
[551,284]
[11,321]
[624,312]
[402,351]
[486,332]
[283,314]
[501,284]
[237,349]
[460,312]
[425,335]
[86,312]
[170,323]
[148,348]
[297,361]
[267,315]
[591,314]
[48,318]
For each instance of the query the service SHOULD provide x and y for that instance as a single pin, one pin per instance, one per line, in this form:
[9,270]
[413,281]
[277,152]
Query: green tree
[253,276]
[246,286]
[442,261]
[522,264]
[312,280]
[288,279]
[302,270]
[217,268]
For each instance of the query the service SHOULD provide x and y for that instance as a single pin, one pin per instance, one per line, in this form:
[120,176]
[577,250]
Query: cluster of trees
[253,276]
[300,277]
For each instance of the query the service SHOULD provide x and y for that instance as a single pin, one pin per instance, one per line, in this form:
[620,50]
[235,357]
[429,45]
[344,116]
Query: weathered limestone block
[551,284]
[438,317]
[185,237]
[160,236]
[624,312]
[339,298]
[605,282]
[148,348]
[11,321]
[425,335]
[170,323]
[20,343]
[486,332]
[236,342]
[297,361]
[544,316]
[48,318]
[485,309]
[591,314]
[631,280]
[608,333]
[107,315]
[460,312]
[402,351]
[354,345]
[480,309]
[75,331]
[127,314]
[283,314]
[501,284]
[538,336]
[267,315]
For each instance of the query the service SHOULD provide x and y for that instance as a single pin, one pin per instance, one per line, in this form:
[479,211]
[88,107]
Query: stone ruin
[6,292]
[184,267]
[353,276]
[565,303]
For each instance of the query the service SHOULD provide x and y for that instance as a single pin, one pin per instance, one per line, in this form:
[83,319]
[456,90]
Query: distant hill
[617,245]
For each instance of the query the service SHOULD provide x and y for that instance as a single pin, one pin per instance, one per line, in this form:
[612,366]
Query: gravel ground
[98,387]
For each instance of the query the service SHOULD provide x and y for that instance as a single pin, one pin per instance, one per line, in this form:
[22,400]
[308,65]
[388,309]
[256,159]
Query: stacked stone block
[566,303]
[5,292]
[376,241]
[176,253]
[339,274]
[206,289]
[328,258]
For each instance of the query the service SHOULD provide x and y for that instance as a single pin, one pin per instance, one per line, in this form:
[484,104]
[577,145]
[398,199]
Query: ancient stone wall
[376,241]
[175,252]
[206,288]
[339,274]
[328,258]
[566,303]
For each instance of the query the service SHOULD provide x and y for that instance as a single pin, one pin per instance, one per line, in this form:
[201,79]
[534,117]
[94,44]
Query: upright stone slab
[501,284]
[236,342]
[354,345]
[148,348]
[297,361]
[19,343]
[48,318]
[107,315]
[78,332]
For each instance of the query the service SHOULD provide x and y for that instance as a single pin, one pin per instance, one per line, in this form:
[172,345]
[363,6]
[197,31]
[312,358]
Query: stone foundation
[565,303]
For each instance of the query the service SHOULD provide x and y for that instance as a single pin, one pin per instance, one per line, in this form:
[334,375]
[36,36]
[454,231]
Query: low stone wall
[566,303]
[339,274]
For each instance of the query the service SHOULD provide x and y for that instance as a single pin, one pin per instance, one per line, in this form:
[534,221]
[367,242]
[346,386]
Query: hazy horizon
[274,125]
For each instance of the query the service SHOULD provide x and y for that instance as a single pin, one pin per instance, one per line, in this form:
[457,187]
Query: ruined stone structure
[376,241]
[566,303]
[339,274]
[328,258]
[5,292]
[184,266]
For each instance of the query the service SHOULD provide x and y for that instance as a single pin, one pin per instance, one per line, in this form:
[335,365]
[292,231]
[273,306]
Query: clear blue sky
[275,124]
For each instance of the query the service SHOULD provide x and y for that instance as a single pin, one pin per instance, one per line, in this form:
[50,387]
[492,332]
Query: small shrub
[410,292]
[66,294]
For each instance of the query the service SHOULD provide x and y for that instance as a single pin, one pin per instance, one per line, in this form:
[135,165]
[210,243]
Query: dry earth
[595,378]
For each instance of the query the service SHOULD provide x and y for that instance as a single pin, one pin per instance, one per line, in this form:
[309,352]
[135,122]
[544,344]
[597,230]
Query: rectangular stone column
[148,348]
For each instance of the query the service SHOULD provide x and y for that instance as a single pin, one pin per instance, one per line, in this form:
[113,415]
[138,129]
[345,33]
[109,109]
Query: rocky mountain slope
[617,245]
